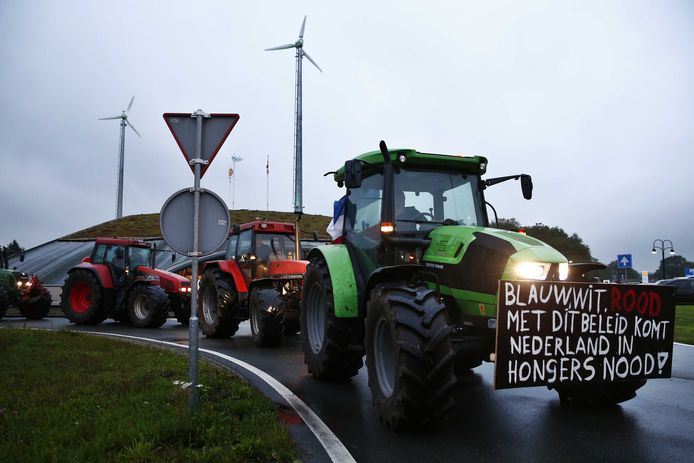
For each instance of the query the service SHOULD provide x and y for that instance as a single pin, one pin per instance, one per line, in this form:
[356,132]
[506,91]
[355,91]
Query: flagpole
[267,182]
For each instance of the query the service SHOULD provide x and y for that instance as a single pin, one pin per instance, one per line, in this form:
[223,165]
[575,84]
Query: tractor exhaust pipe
[388,209]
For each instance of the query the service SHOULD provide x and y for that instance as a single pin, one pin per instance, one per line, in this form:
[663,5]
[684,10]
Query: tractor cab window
[115,258]
[425,199]
[231,247]
[269,247]
[137,257]
[99,254]
[363,219]
[245,248]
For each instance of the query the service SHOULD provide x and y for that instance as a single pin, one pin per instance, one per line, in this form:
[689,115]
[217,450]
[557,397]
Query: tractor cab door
[114,257]
[245,254]
[363,224]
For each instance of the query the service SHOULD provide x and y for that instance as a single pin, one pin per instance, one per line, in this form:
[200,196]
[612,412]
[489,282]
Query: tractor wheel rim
[80,297]
[209,305]
[316,318]
[384,357]
[140,306]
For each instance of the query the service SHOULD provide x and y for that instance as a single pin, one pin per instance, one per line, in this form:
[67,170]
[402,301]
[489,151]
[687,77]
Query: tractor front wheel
[333,347]
[37,306]
[600,395]
[409,355]
[267,307]
[148,306]
[81,298]
[4,301]
[217,303]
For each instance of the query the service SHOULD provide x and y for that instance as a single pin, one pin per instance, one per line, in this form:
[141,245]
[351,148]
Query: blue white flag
[337,224]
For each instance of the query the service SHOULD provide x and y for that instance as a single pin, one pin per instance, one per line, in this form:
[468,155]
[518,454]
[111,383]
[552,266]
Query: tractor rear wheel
[148,306]
[37,306]
[333,347]
[4,301]
[82,297]
[180,306]
[217,304]
[409,355]
[267,307]
[600,395]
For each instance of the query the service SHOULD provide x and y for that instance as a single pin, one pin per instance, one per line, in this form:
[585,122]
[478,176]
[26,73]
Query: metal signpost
[202,135]
[624,262]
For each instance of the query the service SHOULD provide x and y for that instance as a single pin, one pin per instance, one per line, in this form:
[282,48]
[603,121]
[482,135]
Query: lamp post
[663,247]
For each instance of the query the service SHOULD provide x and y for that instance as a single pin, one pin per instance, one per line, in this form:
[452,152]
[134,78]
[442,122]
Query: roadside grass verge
[73,397]
[684,324]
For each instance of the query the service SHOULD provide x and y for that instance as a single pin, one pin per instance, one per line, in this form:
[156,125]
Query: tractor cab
[255,245]
[122,257]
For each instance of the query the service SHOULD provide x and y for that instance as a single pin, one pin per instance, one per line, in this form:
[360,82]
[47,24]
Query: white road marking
[684,345]
[332,445]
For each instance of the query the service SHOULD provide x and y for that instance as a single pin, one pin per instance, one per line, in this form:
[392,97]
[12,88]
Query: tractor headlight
[563,271]
[532,270]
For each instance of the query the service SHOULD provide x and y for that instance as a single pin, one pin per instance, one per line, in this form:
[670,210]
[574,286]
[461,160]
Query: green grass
[72,397]
[684,324]
[147,225]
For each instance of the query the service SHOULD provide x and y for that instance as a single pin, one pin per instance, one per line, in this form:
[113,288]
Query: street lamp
[663,247]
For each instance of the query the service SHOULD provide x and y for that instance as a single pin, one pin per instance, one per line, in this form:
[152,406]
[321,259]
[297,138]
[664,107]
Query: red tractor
[119,281]
[259,279]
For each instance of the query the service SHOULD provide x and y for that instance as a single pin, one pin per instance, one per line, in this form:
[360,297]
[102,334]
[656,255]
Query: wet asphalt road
[510,425]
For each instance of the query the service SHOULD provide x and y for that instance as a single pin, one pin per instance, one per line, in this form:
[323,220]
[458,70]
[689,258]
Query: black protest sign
[551,333]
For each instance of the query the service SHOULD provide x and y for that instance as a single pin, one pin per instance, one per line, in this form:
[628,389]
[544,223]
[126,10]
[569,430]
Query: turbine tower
[300,53]
[121,159]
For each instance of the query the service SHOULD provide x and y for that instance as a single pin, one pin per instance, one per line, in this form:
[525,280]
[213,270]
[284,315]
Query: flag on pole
[337,224]
[267,165]
[231,171]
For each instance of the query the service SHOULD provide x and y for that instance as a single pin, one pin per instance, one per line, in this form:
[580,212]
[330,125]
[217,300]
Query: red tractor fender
[230,267]
[169,282]
[287,267]
[103,274]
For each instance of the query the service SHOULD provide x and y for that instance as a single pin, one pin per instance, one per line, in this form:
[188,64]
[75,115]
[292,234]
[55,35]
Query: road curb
[315,441]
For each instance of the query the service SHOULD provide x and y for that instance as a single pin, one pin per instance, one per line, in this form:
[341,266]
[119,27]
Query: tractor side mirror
[173,257]
[352,174]
[21,257]
[527,186]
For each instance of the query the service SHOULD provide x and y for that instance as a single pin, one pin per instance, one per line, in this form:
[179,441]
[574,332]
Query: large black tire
[148,306]
[333,347]
[267,307]
[180,306]
[599,394]
[37,306]
[217,305]
[409,355]
[4,301]
[82,298]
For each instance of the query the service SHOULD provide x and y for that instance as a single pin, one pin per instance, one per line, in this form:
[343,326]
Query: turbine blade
[108,118]
[303,25]
[281,47]
[312,62]
[130,105]
[134,130]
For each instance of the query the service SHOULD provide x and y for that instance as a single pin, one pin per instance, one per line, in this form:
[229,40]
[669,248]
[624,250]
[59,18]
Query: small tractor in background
[119,280]
[30,297]
[259,279]
[412,283]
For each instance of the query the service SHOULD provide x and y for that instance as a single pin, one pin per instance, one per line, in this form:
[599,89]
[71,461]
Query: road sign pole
[193,333]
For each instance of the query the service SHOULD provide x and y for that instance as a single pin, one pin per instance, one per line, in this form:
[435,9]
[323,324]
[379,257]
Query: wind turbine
[300,53]
[121,159]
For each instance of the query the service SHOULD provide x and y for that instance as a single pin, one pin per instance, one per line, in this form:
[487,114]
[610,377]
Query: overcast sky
[594,99]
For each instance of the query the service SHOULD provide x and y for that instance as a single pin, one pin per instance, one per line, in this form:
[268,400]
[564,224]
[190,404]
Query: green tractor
[412,281]
[18,289]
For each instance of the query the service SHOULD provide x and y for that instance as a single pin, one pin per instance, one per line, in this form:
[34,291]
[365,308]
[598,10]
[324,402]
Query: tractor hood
[476,258]
[170,282]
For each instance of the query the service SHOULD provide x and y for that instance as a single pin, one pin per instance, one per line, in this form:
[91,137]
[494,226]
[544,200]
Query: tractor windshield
[426,198]
[273,246]
[138,256]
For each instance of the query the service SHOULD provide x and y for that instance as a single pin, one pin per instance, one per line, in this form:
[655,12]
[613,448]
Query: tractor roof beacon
[412,282]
